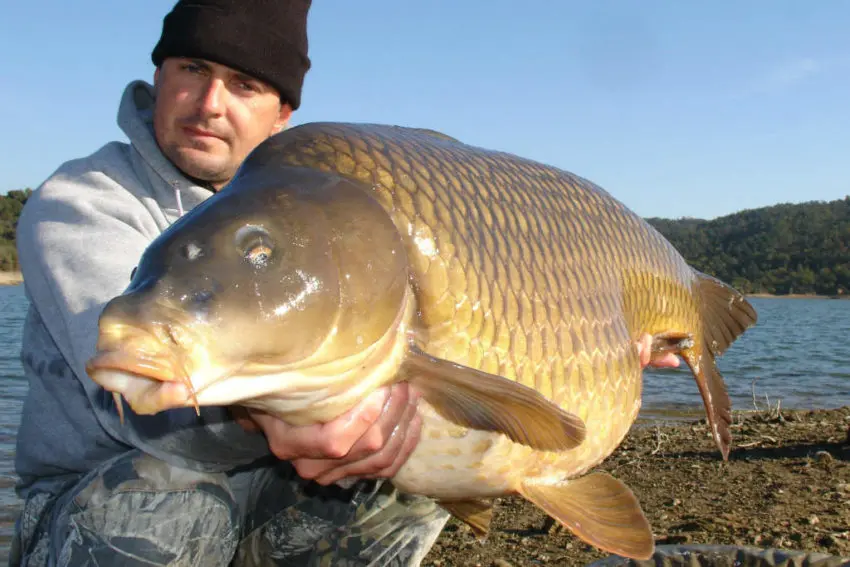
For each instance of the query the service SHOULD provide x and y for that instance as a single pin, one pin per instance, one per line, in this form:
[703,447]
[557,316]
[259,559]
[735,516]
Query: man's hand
[667,360]
[372,440]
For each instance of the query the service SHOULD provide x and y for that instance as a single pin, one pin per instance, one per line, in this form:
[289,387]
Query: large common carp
[511,294]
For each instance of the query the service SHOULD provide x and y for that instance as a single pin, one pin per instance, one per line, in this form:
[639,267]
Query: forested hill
[10,208]
[800,248]
[783,249]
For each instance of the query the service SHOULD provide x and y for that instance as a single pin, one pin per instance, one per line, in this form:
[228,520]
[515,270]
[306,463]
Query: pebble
[812,520]
[824,457]
[501,563]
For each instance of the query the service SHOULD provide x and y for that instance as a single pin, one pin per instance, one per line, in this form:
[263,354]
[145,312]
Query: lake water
[799,354]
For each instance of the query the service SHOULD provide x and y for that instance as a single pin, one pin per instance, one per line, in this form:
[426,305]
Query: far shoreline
[11,278]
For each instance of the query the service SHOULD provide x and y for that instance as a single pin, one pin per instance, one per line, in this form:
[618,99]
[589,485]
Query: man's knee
[137,510]
[393,529]
[293,522]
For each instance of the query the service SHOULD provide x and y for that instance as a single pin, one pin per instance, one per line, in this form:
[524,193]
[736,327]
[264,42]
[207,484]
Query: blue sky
[695,109]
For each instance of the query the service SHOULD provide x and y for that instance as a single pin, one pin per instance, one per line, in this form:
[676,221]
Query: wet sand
[786,485]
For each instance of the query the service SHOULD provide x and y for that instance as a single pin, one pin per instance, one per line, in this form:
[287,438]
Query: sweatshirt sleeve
[79,238]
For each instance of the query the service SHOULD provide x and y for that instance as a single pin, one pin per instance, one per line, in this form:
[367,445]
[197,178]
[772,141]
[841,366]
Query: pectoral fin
[487,402]
[476,514]
[600,510]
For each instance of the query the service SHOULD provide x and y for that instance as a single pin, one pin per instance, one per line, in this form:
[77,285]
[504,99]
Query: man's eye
[192,67]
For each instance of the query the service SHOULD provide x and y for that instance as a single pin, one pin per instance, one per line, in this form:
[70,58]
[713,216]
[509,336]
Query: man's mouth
[194,132]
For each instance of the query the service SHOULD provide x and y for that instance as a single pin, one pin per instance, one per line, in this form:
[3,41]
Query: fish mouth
[148,367]
[157,368]
[150,384]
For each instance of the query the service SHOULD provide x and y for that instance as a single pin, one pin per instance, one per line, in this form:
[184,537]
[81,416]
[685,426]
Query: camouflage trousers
[136,510]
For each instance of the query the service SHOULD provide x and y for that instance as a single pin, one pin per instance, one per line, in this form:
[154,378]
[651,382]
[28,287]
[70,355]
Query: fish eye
[255,244]
[259,255]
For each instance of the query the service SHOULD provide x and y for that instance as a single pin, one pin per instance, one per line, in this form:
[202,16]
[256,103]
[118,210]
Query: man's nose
[212,98]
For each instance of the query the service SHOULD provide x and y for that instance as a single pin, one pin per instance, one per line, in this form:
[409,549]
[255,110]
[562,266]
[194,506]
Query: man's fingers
[411,440]
[645,349]
[340,435]
[242,416]
[383,463]
[332,440]
[285,441]
[667,360]
[377,436]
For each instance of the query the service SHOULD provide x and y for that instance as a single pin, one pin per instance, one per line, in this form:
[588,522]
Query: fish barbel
[511,294]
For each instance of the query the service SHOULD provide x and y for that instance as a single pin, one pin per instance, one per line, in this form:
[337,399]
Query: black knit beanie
[266,39]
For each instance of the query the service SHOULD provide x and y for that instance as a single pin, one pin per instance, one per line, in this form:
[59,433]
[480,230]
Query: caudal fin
[726,314]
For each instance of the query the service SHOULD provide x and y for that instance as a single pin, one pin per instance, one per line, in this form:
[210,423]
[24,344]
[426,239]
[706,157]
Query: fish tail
[726,314]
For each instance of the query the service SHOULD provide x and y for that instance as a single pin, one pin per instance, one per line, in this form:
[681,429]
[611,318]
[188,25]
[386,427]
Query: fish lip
[157,368]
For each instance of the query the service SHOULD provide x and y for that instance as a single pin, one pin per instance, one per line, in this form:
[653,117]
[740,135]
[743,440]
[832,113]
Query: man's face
[208,117]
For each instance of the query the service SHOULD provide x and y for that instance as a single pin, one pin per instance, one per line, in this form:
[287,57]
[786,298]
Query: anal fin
[476,514]
[488,402]
[600,510]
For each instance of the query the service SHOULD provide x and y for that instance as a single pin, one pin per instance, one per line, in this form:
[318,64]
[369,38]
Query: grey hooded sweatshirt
[79,238]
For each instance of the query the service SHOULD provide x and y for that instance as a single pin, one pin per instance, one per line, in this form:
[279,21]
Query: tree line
[11,205]
[782,249]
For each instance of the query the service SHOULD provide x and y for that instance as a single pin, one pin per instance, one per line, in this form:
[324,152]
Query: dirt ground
[786,485]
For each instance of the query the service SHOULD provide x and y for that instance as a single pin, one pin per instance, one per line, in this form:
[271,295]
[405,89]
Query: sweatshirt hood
[135,118]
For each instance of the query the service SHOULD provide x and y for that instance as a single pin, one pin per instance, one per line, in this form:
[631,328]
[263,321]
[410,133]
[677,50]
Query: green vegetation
[783,249]
[801,248]
[10,209]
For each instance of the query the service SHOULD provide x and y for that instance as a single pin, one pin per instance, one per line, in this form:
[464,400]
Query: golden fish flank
[531,286]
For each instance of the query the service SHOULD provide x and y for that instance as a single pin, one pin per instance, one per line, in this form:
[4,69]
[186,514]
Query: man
[176,489]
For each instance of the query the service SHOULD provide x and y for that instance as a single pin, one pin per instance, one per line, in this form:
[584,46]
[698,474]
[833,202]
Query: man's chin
[202,166]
